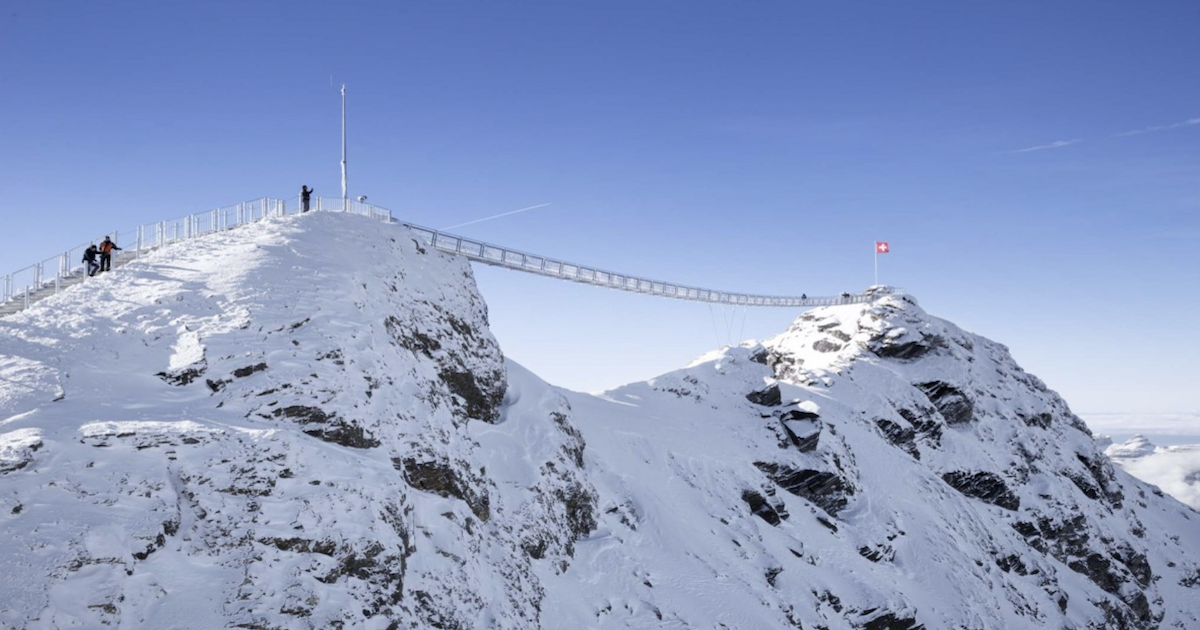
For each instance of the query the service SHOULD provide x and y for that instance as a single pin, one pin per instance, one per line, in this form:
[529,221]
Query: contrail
[542,205]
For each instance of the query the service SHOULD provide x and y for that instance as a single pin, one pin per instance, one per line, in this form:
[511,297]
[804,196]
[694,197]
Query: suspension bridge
[45,278]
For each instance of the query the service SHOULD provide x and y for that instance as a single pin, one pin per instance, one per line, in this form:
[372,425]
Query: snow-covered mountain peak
[1134,447]
[305,423]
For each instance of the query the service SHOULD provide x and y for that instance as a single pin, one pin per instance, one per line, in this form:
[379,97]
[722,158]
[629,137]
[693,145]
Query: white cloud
[1148,424]
[1175,471]
[1187,123]
[1057,144]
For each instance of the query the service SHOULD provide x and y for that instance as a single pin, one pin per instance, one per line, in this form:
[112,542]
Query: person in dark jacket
[89,257]
[106,250]
[305,193]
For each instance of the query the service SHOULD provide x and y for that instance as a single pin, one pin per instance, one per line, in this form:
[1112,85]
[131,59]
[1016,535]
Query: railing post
[62,272]
[37,276]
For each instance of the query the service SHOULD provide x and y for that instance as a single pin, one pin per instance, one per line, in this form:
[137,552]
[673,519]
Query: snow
[305,423]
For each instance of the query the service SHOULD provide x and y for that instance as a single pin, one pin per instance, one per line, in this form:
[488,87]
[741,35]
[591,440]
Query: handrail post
[37,276]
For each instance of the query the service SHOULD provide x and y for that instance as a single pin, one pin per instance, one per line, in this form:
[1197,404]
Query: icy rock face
[871,467]
[302,423]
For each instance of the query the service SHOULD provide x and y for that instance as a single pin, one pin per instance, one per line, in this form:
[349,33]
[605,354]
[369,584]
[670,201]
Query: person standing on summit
[106,250]
[305,193]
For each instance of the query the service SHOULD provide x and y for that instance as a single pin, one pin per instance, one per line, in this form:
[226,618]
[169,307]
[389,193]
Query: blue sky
[1034,165]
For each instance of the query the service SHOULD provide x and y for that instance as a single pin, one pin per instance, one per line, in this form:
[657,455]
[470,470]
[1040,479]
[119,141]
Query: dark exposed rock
[826,490]
[760,507]
[769,397]
[248,370]
[301,545]
[900,437]
[482,394]
[927,429]
[803,429]
[303,414]
[184,376]
[1191,580]
[824,345]
[891,621]
[350,435]
[333,428]
[878,553]
[1102,483]
[1069,542]
[1040,420]
[985,486]
[414,341]
[1012,563]
[907,350]
[952,403]
[442,480]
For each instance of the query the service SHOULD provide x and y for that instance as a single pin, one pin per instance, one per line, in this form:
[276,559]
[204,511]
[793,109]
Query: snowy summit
[305,423]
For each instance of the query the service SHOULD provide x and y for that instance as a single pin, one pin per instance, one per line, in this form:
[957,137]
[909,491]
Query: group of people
[104,251]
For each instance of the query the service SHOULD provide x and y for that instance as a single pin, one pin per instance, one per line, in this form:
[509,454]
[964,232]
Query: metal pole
[343,146]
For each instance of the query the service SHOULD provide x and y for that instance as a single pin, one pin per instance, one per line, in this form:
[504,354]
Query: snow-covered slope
[305,423]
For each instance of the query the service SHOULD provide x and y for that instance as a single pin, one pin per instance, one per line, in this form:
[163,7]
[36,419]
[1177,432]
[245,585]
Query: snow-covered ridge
[305,423]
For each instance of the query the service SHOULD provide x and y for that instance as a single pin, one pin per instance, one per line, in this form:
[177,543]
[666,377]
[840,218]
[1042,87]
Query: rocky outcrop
[985,486]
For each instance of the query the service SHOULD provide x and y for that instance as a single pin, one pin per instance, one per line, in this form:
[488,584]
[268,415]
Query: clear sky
[1034,165]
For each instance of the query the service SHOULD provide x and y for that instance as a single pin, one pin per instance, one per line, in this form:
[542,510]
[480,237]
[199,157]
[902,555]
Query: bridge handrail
[48,275]
[499,256]
[24,283]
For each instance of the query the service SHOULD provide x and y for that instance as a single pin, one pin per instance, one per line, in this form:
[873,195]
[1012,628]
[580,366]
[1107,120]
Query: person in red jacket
[106,250]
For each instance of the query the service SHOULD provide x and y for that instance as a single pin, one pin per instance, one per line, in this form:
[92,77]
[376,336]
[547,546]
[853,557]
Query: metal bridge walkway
[29,285]
[532,263]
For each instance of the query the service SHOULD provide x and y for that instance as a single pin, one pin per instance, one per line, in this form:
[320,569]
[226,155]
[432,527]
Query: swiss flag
[881,247]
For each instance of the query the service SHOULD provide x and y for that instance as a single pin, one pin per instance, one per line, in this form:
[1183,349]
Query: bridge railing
[532,263]
[52,274]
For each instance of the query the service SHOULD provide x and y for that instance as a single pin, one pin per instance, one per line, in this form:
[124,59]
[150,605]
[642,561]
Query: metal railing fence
[24,286]
[532,263]
[46,277]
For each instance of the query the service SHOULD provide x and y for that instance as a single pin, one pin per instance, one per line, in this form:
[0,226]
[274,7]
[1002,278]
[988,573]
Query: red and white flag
[881,247]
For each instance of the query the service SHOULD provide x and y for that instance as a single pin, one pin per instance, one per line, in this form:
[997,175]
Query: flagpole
[343,146]
[877,264]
